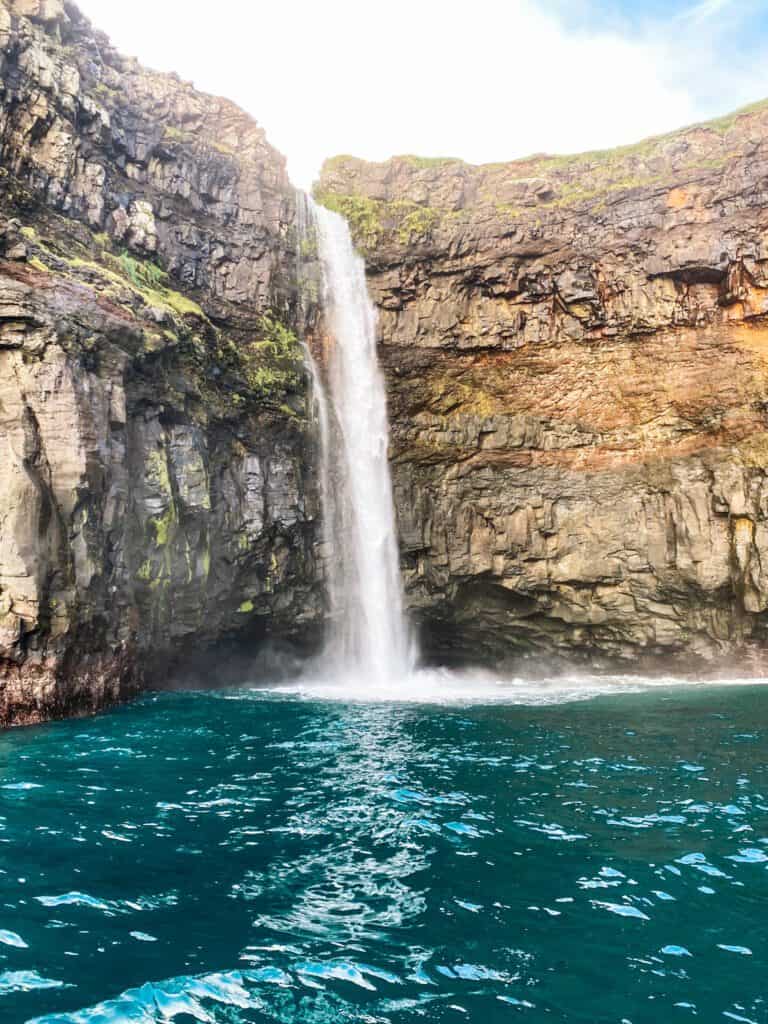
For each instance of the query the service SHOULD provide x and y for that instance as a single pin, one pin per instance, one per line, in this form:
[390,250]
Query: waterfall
[368,631]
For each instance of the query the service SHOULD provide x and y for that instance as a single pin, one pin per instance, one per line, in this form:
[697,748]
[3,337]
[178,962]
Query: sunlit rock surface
[155,454]
[577,360]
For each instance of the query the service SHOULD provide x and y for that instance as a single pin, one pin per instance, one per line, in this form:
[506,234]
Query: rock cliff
[155,459]
[576,351]
[577,359]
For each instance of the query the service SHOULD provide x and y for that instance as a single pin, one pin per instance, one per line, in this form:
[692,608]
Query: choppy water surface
[242,857]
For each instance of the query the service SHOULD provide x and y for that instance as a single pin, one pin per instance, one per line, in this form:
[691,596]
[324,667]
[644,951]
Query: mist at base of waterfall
[436,685]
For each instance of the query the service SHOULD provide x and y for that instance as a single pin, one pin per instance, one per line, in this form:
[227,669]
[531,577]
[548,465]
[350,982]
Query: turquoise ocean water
[255,856]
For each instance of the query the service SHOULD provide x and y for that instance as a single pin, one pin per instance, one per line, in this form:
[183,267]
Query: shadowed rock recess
[156,463]
[577,359]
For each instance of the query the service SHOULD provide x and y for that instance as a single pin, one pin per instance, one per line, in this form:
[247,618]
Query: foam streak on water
[368,631]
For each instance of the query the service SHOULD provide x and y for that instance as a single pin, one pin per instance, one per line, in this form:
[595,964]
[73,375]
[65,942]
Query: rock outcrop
[577,359]
[156,462]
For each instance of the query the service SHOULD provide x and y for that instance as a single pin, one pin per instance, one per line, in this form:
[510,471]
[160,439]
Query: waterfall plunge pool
[560,853]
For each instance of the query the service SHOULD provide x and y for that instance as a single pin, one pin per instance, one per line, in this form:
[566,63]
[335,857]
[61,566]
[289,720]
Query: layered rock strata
[576,351]
[156,462]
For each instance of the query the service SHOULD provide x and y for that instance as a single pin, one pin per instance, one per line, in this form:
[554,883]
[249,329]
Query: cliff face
[576,352]
[155,457]
[577,360]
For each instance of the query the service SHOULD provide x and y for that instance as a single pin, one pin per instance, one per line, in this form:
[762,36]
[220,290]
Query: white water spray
[369,634]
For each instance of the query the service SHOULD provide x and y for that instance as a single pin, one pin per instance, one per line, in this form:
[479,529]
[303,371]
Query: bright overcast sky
[484,80]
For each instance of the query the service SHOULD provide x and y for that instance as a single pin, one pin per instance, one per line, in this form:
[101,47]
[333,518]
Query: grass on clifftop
[428,161]
[606,159]
[351,206]
[590,176]
[642,147]
[646,146]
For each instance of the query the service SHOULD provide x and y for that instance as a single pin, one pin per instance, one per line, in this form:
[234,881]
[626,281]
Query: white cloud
[717,50]
[705,10]
[483,81]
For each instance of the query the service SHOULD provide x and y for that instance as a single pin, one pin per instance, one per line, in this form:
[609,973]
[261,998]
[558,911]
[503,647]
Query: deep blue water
[243,857]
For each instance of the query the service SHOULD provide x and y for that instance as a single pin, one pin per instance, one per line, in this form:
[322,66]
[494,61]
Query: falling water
[368,629]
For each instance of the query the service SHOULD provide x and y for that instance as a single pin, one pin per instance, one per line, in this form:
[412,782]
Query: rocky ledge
[576,351]
[156,462]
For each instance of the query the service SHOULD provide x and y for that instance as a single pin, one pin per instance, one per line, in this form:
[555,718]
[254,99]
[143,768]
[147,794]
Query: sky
[484,80]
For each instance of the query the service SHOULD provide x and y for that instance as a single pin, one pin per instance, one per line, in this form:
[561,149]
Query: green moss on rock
[428,161]
[273,364]
[371,220]
[416,223]
[362,213]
